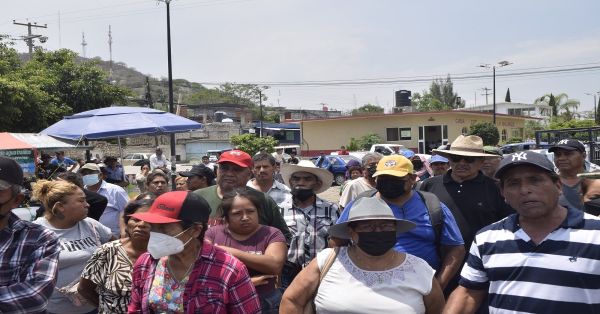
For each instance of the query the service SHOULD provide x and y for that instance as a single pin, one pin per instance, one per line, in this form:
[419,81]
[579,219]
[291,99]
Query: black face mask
[371,170]
[592,207]
[302,194]
[391,189]
[376,243]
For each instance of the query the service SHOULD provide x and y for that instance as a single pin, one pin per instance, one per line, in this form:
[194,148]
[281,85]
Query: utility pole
[30,36]
[486,94]
[500,64]
[83,44]
[110,52]
[261,112]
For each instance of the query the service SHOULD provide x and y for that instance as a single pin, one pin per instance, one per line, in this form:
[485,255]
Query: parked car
[336,164]
[135,159]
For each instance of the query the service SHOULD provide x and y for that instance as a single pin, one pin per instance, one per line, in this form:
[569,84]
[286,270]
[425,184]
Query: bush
[487,131]
[252,144]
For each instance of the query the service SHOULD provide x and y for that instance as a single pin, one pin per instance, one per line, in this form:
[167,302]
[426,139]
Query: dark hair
[245,192]
[145,164]
[155,174]
[72,177]
[145,195]
[133,206]
[355,168]
[264,156]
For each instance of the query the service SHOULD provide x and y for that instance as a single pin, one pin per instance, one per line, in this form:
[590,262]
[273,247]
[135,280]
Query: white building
[516,109]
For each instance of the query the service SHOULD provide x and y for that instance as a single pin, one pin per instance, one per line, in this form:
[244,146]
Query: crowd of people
[465,231]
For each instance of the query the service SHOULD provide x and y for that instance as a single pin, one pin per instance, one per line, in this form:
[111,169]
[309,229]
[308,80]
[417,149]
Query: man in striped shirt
[544,259]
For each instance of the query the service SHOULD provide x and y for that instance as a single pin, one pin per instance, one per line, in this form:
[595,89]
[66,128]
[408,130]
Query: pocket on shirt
[208,300]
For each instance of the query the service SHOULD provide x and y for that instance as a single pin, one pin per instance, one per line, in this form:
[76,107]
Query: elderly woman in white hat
[369,276]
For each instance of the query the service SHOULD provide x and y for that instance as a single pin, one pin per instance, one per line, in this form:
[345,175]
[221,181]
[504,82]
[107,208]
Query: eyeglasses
[467,159]
[373,226]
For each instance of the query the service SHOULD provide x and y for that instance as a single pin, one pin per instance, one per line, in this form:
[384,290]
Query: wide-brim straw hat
[324,175]
[369,208]
[470,145]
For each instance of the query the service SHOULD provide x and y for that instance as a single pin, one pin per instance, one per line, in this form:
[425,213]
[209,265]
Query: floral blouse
[166,293]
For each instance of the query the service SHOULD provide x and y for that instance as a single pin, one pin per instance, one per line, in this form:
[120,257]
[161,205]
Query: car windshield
[347,158]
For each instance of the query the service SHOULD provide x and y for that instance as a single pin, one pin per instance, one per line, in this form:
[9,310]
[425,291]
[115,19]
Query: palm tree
[561,105]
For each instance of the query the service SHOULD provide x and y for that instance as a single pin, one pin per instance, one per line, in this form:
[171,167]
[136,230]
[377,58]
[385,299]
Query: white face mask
[90,179]
[161,245]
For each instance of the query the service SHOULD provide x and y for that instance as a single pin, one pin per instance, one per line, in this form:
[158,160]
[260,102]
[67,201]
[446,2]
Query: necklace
[187,272]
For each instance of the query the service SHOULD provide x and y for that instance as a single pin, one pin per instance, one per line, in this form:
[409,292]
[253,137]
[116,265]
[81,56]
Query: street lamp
[595,104]
[487,66]
[172,138]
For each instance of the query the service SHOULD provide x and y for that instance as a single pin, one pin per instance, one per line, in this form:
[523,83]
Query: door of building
[431,137]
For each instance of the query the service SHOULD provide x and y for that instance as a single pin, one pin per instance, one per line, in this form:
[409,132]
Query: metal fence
[589,136]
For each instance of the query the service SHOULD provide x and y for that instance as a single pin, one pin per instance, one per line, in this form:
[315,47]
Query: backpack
[434,208]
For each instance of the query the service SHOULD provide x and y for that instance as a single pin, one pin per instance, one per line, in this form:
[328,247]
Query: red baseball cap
[175,207]
[237,157]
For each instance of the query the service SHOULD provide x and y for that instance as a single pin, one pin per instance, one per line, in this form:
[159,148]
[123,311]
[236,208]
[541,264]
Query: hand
[261,280]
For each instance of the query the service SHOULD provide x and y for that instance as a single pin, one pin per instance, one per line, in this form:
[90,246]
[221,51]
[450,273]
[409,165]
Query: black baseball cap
[197,170]
[568,144]
[11,173]
[524,158]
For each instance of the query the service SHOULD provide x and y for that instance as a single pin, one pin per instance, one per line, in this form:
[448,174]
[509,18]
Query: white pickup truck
[384,149]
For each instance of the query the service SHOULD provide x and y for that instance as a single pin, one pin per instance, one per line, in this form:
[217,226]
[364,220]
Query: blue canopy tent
[111,122]
[116,122]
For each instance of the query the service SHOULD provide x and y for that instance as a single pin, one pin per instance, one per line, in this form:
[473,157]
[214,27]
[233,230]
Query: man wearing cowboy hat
[308,216]
[473,198]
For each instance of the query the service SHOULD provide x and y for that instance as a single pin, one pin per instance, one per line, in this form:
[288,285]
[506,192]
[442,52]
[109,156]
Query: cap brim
[153,218]
[186,174]
[501,171]
[340,231]
[241,164]
[554,148]
[395,173]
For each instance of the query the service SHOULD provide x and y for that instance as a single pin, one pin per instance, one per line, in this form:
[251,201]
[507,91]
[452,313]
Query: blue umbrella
[117,122]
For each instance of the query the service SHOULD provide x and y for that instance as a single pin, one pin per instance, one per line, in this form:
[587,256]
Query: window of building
[392,134]
[405,134]
[464,130]
[503,135]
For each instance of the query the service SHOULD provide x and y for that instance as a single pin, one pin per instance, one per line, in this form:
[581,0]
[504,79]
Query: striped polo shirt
[559,275]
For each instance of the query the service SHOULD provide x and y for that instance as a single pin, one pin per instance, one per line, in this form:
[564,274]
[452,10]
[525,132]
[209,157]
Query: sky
[274,41]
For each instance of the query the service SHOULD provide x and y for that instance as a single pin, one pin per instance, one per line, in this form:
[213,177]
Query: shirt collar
[14,223]
[574,220]
[448,178]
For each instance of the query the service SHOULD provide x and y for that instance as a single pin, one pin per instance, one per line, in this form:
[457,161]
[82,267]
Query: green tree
[252,144]
[37,93]
[562,106]
[530,127]
[367,109]
[487,131]
[507,97]
[366,141]
[440,96]
[245,94]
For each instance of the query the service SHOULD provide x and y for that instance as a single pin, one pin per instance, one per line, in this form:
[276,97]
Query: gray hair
[370,156]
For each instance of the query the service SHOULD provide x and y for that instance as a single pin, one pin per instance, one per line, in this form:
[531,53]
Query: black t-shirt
[474,203]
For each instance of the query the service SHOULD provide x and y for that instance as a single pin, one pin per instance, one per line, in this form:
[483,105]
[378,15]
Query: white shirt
[161,162]
[353,188]
[349,289]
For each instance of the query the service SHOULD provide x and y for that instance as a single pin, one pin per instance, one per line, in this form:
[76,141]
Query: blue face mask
[90,179]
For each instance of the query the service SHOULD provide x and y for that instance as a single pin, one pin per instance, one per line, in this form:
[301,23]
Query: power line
[414,79]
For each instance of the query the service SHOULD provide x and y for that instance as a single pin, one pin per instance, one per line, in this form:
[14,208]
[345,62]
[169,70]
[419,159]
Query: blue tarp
[114,122]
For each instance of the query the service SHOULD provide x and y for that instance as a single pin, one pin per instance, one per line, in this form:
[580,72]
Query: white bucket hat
[325,176]
[369,208]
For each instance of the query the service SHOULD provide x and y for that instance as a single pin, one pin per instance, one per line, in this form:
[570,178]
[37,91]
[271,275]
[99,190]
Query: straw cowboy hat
[470,145]
[369,208]
[325,176]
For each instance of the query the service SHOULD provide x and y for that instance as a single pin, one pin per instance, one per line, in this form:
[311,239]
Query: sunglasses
[467,159]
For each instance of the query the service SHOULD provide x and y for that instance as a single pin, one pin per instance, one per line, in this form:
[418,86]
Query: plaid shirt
[309,228]
[218,283]
[279,192]
[28,266]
